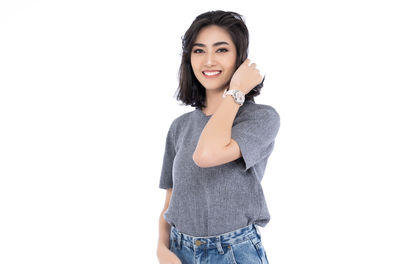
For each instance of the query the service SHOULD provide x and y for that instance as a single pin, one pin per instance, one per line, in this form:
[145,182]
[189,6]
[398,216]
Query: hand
[246,77]
[166,256]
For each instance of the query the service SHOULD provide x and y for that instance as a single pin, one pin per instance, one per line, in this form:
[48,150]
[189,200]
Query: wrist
[237,95]
[161,249]
[237,88]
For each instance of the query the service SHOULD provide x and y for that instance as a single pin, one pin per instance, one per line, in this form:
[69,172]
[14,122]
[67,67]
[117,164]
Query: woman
[215,155]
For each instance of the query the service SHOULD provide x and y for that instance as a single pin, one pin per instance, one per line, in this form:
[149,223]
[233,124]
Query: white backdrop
[87,96]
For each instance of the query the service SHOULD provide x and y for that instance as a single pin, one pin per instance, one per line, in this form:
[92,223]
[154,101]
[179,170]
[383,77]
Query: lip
[212,76]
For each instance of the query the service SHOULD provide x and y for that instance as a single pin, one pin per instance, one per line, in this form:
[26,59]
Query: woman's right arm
[165,256]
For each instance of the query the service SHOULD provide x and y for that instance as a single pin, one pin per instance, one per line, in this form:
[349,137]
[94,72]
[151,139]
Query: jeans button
[198,242]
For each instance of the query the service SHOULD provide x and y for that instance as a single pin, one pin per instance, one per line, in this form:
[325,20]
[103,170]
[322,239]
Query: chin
[212,88]
[215,87]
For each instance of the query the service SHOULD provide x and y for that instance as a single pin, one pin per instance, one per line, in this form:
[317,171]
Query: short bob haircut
[191,91]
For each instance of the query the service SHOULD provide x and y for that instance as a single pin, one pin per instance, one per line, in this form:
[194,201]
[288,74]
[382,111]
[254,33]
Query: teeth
[211,73]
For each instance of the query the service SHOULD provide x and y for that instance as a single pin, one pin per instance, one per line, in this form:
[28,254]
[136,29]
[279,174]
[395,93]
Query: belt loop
[254,241]
[258,231]
[179,240]
[218,242]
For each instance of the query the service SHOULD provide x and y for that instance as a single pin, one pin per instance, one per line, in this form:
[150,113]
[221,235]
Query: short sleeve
[166,181]
[255,134]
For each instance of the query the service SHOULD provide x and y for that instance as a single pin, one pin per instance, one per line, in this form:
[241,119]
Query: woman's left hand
[246,77]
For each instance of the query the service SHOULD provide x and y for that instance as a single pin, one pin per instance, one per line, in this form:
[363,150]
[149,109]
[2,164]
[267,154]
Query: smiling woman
[215,156]
[230,37]
[215,59]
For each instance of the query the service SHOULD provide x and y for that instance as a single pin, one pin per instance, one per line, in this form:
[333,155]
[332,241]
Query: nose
[209,59]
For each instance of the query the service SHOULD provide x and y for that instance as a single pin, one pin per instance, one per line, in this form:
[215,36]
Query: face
[213,51]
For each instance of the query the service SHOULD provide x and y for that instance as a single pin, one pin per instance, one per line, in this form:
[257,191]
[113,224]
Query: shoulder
[180,121]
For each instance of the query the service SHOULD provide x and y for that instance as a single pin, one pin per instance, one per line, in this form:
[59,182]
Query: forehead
[210,34]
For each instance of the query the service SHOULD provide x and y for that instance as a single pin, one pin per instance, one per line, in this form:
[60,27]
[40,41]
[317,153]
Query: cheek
[194,62]
[231,70]
[231,63]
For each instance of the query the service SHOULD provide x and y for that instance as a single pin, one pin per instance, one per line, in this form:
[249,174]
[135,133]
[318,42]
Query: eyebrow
[215,44]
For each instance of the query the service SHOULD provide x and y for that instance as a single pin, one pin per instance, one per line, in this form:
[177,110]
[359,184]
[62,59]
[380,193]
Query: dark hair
[191,91]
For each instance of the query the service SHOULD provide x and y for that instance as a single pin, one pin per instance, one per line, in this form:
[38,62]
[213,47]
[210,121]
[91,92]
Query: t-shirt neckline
[202,114]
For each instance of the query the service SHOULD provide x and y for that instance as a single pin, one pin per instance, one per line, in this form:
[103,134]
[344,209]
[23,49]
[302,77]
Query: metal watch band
[237,95]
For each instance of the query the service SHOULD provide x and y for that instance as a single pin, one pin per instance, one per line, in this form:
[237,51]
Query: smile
[211,74]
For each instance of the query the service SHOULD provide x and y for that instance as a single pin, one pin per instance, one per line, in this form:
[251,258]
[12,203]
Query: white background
[87,96]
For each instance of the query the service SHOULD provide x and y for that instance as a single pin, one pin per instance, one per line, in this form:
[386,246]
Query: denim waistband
[218,241]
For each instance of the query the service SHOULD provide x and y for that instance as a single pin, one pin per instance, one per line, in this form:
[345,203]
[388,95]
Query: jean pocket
[258,246]
[245,253]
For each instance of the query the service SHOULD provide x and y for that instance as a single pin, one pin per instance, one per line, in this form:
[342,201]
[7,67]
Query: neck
[213,100]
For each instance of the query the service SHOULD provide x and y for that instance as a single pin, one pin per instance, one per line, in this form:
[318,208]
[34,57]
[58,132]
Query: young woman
[215,156]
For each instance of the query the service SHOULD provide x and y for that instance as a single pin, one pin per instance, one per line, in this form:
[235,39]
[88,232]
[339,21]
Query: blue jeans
[241,246]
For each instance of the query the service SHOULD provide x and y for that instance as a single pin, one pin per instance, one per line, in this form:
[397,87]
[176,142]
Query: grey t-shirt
[216,200]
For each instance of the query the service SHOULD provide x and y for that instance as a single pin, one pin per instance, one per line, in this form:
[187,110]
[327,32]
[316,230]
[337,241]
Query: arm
[164,227]
[215,145]
[164,254]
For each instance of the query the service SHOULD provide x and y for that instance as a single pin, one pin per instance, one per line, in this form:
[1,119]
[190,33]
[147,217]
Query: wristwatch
[236,94]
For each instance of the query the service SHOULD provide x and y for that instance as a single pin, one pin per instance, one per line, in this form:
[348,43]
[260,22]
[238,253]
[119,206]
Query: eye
[200,50]
[225,50]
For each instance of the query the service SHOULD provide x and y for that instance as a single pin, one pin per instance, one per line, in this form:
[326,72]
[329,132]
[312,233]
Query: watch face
[239,97]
